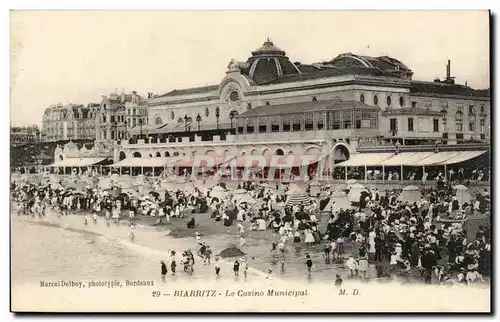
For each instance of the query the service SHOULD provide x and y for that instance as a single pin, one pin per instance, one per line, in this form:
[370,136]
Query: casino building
[343,108]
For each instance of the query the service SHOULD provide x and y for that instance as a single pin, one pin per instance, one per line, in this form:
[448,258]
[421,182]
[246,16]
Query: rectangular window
[112,118]
[459,127]
[275,123]
[286,123]
[394,125]
[133,112]
[357,119]
[347,119]
[472,126]
[482,126]
[410,124]
[308,125]
[436,125]
[471,109]
[413,104]
[104,119]
[319,117]
[262,128]
[336,120]
[297,122]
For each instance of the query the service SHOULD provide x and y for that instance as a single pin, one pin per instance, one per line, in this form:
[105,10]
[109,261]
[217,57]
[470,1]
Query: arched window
[122,155]
[217,111]
[249,106]
[389,100]
[207,112]
[459,121]
[362,98]
[180,120]
[267,103]
[375,99]
[315,99]
[158,154]
[137,155]
[158,121]
[167,154]
[401,101]
[482,109]
[172,115]
[233,114]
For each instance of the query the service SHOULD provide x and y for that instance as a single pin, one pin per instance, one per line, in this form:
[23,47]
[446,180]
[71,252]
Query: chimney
[448,70]
[150,94]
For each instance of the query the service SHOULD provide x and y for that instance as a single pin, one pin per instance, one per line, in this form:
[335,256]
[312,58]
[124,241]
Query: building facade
[268,105]
[22,135]
[69,122]
[111,121]
[137,112]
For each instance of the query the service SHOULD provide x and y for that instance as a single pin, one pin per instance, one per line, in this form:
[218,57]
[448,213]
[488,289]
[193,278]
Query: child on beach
[131,228]
[245,267]
[208,254]
[94,216]
[85,219]
[236,268]
[309,264]
[163,271]
[217,267]
[173,264]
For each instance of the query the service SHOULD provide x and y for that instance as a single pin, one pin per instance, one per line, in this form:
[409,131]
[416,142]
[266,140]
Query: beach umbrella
[460,187]
[218,192]
[410,194]
[297,199]
[338,200]
[463,194]
[240,191]
[411,188]
[247,198]
[355,192]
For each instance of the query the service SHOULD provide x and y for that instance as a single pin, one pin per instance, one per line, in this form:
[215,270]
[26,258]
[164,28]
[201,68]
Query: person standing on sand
[163,271]
[173,264]
[245,267]
[217,267]
[236,268]
[309,264]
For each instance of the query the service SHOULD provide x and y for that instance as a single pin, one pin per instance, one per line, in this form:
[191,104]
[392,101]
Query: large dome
[268,63]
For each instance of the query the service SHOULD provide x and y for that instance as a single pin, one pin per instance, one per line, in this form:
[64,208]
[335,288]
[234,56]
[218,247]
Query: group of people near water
[395,237]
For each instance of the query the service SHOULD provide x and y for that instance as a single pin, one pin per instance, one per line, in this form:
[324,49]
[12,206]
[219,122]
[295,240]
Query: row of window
[458,125]
[388,100]
[428,105]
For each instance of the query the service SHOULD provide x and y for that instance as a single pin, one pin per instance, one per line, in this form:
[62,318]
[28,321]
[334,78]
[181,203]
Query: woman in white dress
[371,241]
[309,237]
[362,261]
[352,265]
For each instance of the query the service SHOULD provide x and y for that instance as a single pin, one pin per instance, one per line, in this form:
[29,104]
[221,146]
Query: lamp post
[140,128]
[217,116]
[198,119]
[186,122]
[231,116]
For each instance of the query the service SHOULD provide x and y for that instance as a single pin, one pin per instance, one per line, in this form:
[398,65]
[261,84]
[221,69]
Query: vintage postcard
[250,161]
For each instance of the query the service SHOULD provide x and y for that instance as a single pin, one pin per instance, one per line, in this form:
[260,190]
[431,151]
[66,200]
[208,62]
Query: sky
[77,56]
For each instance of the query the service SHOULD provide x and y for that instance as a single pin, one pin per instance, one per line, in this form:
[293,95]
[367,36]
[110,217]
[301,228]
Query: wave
[140,249]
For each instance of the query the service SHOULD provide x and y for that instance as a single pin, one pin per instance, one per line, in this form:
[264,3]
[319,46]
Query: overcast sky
[78,56]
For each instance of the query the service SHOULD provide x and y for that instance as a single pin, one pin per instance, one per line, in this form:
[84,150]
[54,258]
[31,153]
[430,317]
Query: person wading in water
[163,271]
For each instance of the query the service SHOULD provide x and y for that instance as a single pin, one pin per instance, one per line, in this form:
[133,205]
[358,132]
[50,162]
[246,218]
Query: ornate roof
[306,107]
[447,89]
[192,90]
[268,63]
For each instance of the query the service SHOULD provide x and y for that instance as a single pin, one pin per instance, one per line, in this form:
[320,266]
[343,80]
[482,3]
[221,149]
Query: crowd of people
[411,239]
